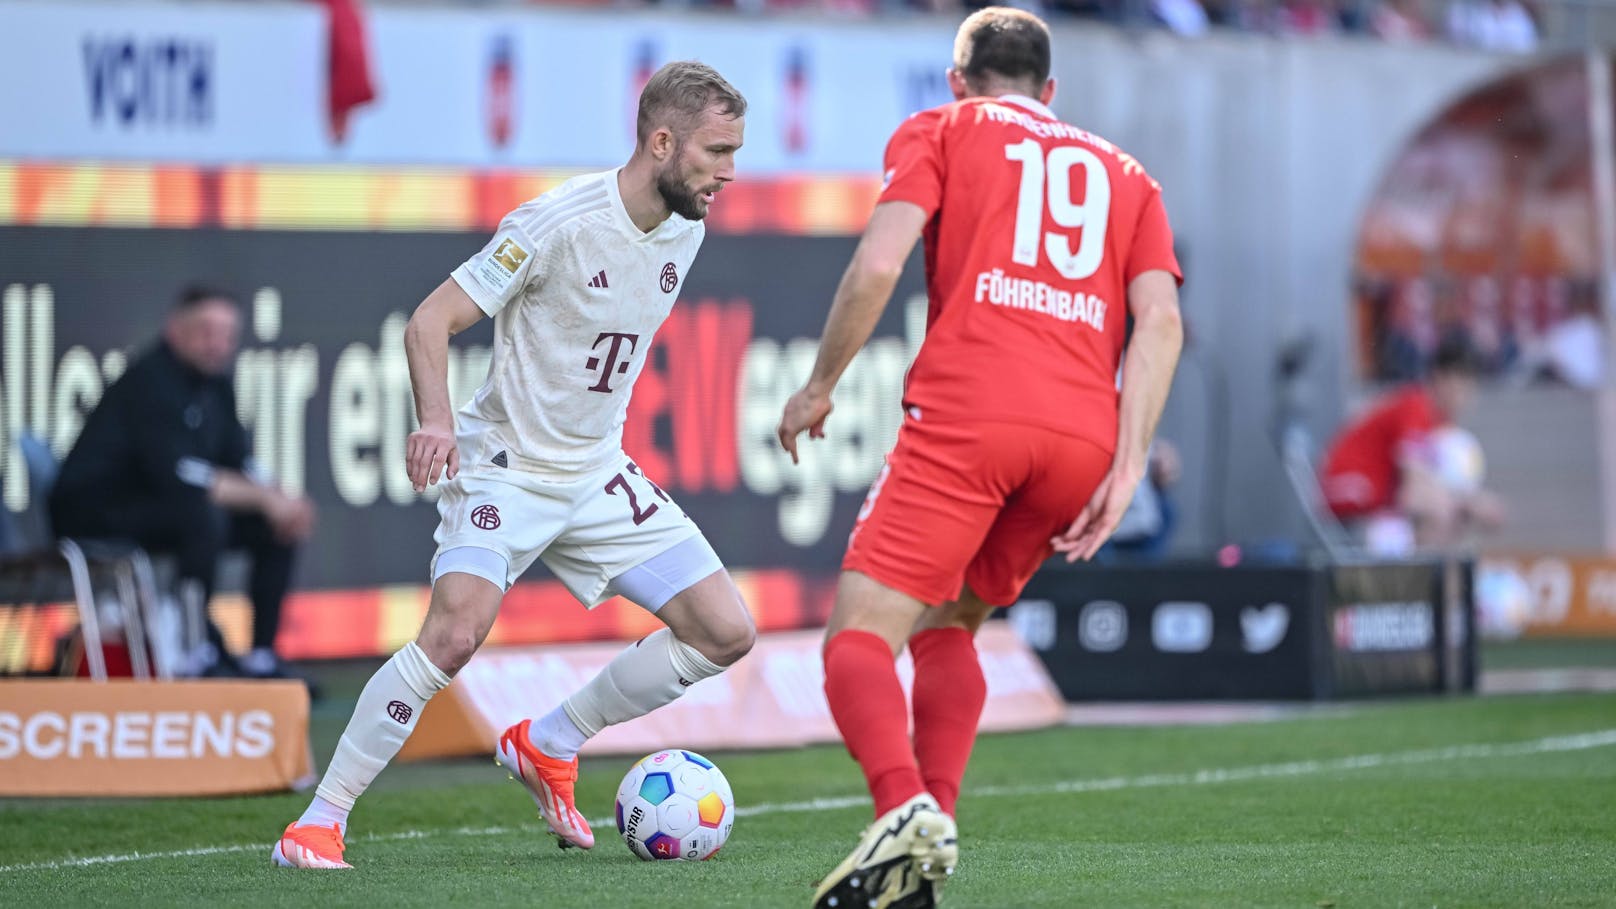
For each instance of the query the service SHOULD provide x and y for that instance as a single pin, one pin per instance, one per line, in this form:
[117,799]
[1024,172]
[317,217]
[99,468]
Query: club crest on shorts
[400,711]
[670,278]
[485,517]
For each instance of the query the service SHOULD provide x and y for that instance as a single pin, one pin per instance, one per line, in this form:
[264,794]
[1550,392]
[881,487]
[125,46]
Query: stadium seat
[1295,451]
[1293,442]
[36,569]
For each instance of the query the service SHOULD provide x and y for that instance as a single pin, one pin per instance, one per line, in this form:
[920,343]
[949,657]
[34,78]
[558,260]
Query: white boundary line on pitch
[1603,738]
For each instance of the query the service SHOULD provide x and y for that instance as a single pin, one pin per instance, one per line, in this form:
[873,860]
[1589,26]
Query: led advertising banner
[323,386]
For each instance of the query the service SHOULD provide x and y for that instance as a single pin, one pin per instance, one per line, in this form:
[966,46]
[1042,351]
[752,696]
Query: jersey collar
[1031,104]
[620,212]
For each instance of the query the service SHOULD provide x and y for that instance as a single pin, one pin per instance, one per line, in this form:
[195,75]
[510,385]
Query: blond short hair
[680,93]
[1004,42]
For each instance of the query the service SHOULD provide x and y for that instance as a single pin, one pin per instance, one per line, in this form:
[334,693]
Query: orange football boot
[310,846]
[549,780]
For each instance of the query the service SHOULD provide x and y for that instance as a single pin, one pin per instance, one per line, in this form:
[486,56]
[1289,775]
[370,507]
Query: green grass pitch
[1461,802]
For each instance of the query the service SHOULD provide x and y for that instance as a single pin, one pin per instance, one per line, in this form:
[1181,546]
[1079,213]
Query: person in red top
[1384,476]
[1042,241]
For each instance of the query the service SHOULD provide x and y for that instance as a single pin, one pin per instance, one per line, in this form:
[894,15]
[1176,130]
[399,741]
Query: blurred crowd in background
[1511,26]
[1523,331]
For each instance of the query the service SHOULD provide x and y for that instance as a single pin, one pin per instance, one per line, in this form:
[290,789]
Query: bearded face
[685,188]
[703,160]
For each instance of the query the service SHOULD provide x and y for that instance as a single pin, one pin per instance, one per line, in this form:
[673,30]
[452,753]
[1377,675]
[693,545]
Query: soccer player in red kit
[1041,242]
[1382,476]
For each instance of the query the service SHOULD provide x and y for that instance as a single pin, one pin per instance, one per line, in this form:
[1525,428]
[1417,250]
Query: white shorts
[590,533]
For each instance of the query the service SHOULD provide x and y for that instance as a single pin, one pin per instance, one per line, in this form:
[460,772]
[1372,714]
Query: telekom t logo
[612,365]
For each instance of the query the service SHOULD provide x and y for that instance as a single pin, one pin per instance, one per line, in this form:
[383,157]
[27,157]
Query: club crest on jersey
[485,517]
[670,278]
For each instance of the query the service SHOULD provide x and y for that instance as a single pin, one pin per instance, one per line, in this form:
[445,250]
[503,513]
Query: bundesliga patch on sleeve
[499,268]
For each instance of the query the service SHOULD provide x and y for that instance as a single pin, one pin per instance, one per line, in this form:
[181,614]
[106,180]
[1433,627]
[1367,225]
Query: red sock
[861,684]
[949,693]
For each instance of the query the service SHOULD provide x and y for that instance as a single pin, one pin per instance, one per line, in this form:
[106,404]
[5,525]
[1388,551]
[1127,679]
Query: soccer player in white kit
[578,281]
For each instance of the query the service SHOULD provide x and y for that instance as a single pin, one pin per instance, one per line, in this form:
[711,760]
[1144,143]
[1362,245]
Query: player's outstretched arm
[445,312]
[860,299]
[1147,374]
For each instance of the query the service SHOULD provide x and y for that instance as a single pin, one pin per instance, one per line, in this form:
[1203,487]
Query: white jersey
[577,292]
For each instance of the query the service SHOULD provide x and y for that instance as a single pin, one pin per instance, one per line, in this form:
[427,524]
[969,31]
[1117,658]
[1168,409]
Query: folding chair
[30,580]
[1294,445]
[39,569]
[1295,454]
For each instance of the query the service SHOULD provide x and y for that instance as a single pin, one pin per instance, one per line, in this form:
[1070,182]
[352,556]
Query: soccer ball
[675,805]
[1457,458]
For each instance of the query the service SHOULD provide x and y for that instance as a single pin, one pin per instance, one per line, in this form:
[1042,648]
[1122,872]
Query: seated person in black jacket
[162,462]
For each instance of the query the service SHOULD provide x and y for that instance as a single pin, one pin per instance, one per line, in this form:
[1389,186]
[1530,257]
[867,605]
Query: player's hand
[290,518]
[1486,509]
[806,409]
[429,453]
[1100,516]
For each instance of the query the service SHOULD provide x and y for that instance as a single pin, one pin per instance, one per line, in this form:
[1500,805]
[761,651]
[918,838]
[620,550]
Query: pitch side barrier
[1568,595]
[1198,631]
[67,737]
[772,699]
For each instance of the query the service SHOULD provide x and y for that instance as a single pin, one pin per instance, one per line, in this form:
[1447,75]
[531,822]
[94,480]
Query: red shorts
[971,503]
[1354,494]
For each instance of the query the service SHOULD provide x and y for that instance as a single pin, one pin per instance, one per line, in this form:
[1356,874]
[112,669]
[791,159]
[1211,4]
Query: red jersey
[1362,466]
[1036,229]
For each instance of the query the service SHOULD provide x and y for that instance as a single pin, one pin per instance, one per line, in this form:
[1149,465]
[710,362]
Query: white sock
[649,673]
[556,735]
[322,813]
[386,714]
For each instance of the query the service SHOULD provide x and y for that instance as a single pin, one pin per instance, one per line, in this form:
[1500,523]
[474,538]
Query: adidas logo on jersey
[500,460]
[598,280]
